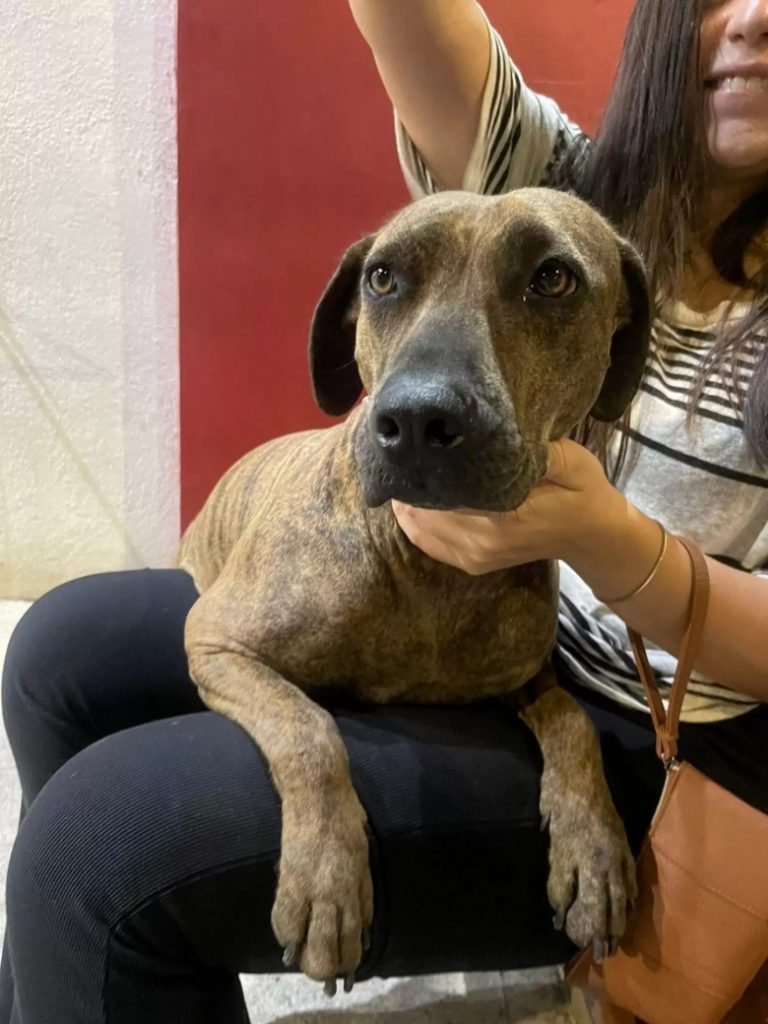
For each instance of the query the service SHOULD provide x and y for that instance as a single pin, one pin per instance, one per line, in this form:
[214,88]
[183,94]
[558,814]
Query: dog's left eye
[381,279]
[554,280]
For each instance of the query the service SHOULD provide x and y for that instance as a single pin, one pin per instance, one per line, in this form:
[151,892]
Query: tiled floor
[525,997]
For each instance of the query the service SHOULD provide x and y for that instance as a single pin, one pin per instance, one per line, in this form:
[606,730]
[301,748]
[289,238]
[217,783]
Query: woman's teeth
[737,84]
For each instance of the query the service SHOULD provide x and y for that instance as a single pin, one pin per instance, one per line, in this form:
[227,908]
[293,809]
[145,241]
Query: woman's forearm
[433,58]
[735,646]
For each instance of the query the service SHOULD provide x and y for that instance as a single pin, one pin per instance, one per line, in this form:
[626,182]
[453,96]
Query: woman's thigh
[146,867]
[91,657]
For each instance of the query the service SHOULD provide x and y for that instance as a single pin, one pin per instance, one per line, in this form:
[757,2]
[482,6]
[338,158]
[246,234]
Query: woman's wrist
[616,557]
[617,548]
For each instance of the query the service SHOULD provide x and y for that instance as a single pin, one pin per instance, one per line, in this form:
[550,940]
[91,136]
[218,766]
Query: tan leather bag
[699,931]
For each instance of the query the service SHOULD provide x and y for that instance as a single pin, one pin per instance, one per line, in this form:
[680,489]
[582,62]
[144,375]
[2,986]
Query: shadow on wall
[24,525]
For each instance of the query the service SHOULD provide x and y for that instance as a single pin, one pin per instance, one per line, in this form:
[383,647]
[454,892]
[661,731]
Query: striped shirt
[698,478]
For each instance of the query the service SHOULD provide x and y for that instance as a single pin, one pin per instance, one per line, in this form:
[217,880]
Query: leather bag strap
[666,721]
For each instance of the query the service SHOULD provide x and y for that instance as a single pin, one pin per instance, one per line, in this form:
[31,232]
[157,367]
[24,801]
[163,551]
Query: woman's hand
[567,512]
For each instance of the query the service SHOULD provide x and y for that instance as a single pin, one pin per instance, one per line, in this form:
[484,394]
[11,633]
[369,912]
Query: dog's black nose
[420,419]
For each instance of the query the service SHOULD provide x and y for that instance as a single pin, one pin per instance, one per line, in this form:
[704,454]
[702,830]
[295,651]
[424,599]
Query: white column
[89,446]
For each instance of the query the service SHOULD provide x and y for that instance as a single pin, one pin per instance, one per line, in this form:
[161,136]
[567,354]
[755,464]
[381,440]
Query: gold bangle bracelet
[648,579]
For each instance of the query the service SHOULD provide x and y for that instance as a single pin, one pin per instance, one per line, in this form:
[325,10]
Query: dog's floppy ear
[335,379]
[629,348]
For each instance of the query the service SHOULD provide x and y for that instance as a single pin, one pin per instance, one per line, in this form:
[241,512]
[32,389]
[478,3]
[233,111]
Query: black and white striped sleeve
[522,138]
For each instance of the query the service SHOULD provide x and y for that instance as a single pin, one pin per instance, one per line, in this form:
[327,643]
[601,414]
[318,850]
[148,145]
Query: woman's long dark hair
[646,171]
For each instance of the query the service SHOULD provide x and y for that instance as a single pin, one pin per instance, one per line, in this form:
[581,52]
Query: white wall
[89,448]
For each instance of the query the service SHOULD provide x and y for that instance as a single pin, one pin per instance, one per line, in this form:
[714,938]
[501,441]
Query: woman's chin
[740,152]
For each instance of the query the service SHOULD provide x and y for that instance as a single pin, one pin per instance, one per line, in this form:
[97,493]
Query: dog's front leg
[324,903]
[591,869]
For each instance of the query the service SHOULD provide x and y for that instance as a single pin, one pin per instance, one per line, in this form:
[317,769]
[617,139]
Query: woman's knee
[86,938]
[33,675]
[132,817]
[77,645]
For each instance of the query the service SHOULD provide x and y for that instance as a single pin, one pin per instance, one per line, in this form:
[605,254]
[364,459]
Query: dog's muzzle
[433,443]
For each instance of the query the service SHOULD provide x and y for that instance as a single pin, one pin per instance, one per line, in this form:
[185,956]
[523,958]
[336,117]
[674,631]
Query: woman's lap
[155,847]
[165,838]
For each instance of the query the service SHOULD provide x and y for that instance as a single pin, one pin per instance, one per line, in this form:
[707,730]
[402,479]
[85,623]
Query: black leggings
[143,874]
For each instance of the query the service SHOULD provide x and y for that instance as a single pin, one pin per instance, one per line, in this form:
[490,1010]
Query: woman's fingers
[476,543]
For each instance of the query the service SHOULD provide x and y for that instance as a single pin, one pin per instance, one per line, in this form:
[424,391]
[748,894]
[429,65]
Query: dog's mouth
[497,478]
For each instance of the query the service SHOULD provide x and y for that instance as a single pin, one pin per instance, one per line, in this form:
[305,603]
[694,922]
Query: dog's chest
[442,638]
[439,649]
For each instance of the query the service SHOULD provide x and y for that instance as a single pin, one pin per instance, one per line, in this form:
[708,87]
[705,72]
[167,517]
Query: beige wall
[89,464]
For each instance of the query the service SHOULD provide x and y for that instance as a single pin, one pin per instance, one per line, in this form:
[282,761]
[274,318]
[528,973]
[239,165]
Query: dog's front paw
[324,904]
[591,878]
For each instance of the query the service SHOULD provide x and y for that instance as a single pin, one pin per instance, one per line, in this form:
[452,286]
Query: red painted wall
[286,155]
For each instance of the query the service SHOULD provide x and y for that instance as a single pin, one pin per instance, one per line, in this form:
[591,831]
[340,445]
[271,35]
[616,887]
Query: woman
[681,164]
[138,888]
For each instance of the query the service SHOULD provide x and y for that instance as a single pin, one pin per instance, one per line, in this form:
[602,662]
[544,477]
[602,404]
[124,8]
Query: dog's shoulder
[290,493]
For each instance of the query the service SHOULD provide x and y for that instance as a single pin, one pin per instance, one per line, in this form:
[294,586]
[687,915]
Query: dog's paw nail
[330,987]
[558,920]
[289,954]
[366,939]
[349,981]
[598,950]
[613,946]
[544,823]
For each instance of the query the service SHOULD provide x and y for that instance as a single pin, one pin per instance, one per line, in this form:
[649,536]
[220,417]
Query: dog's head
[481,328]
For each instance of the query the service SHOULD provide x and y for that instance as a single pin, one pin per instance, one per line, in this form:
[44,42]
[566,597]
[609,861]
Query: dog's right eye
[381,280]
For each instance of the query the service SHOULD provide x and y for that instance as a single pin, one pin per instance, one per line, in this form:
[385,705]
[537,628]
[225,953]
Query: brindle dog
[481,328]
